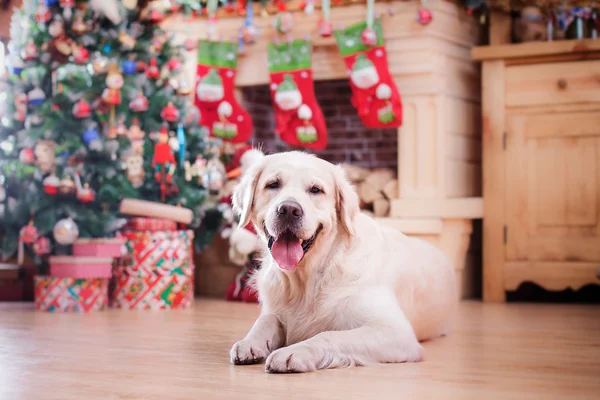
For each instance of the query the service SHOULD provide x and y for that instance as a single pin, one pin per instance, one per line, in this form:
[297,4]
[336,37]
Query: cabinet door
[553,186]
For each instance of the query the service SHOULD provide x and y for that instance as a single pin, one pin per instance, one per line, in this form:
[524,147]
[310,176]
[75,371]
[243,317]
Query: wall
[348,139]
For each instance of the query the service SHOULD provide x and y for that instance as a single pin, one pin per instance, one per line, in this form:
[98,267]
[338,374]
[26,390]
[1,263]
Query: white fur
[363,293]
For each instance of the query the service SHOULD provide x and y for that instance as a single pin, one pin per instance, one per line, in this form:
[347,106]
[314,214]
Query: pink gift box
[80,267]
[98,247]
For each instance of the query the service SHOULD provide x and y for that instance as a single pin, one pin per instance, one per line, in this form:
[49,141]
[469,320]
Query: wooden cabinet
[541,165]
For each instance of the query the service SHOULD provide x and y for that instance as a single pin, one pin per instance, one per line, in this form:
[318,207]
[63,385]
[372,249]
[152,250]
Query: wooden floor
[497,351]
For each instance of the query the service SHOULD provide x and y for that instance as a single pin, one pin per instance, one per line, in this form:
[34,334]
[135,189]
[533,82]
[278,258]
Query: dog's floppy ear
[347,203]
[243,194]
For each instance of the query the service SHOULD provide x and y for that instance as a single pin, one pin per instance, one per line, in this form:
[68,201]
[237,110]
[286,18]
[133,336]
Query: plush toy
[244,243]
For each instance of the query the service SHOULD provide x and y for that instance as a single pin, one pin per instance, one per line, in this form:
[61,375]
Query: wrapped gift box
[70,294]
[157,292]
[158,253]
[81,267]
[157,273]
[99,247]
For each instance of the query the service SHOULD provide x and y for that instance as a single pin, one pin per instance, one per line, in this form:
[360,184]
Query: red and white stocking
[299,118]
[220,112]
[374,92]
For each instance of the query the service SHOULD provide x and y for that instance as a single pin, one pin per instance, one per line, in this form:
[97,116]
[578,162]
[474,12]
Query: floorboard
[503,351]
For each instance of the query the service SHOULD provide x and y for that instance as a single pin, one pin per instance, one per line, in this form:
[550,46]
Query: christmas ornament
[214,178]
[36,96]
[61,48]
[152,72]
[100,63]
[26,156]
[424,16]
[299,119]
[369,36]
[29,51]
[121,129]
[67,6]
[56,27]
[191,115]
[284,22]
[43,14]
[86,195]
[82,109]
[249,31]
[107,8]
[16,66]
[190,44]
[216,70]
[134,167]
[170,113]
[20,107]
[139,103]
[114,82]
[67,186]
[136,136]
[368,70]
[174,64]
[81,55]
[51,3]
[184,88]
[173,142]
[195,170]
[65,231]
[127,41]
[42,247]
[29,233]
[79,26]
[51,184]
[182,142]
[45,155]
[164,162]
[155,16]
[325,27]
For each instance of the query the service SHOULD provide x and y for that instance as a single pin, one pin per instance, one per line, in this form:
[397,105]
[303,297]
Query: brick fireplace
[348,139]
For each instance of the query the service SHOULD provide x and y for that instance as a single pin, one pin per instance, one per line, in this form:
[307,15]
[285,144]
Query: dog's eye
[315,190]
[272,185]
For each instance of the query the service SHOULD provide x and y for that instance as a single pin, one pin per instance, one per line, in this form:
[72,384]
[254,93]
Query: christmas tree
[95,108]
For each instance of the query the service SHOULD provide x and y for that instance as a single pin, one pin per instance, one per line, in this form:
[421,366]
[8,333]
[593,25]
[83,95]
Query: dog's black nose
[290,210]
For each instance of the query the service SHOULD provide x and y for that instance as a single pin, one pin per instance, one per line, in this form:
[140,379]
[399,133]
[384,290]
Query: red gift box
[150,224]
[81,267]
[70,294]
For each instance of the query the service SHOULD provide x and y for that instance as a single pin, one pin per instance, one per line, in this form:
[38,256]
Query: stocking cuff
[350,42]
[218,54]
[290,56]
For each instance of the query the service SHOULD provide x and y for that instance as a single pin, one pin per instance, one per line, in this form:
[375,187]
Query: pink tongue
[287,253]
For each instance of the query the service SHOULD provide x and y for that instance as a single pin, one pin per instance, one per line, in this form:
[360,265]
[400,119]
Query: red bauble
[41,247]
[424,16]
[139,103]
[81,55]
[190,44]
[51,184]
[141,66]
[174,64]
[155,16]
[27,156]
[152,72]
[82,109]
[229,8]
[325,29]
[86,195]
[29,234]
[369,37]
[170,113]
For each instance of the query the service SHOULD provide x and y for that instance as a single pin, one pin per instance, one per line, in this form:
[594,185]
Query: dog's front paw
[297,358]
[248,352]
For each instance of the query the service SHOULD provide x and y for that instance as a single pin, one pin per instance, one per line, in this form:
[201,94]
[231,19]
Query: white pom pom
[249,158]
[304,112]
[384,92]
[225,109]
[174,143]
[244,241]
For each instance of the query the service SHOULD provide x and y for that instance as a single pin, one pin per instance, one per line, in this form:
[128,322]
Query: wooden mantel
[533,52]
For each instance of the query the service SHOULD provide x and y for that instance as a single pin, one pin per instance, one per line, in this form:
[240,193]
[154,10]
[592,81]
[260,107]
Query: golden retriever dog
[336,288]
